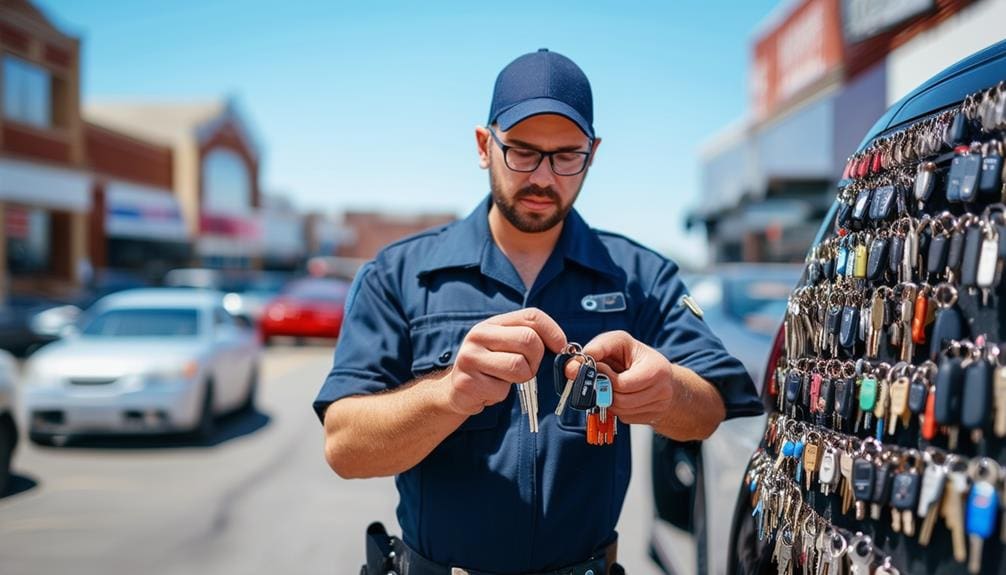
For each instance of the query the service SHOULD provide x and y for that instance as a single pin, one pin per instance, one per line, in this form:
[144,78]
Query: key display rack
[884,449]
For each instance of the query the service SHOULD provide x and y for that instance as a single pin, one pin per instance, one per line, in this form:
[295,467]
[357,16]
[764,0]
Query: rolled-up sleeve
[684,339]
[373,353]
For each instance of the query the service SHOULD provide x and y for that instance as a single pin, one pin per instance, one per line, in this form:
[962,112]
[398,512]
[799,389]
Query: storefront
[214,173]
[44,217]
[228,241]
[823,71]
[284,237]
[144,230]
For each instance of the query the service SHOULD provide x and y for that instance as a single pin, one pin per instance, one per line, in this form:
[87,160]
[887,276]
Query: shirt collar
[465,243]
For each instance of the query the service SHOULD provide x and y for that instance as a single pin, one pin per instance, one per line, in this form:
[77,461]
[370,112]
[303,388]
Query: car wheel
[206,426]
[248,405]
[6,454]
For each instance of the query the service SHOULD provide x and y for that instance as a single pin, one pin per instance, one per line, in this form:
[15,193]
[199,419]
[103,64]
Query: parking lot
[258,499]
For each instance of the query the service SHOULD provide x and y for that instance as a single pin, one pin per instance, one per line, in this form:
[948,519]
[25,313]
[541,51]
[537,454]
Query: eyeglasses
[527,160]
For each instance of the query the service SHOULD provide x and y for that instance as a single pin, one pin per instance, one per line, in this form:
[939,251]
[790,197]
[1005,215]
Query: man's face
[534,201]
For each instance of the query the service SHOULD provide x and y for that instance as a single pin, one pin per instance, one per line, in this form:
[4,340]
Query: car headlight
[173,374]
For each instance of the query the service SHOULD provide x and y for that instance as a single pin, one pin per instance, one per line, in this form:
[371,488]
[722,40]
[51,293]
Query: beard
[530,222]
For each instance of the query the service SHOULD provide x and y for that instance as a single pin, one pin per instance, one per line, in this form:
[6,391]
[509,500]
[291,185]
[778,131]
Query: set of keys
[873,479]
[854,310]
[886,362]
[589,391]
[981,112]
[804,539]
[965,389]
[527,392]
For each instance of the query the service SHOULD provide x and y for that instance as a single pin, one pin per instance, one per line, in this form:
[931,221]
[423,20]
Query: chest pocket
[435,343]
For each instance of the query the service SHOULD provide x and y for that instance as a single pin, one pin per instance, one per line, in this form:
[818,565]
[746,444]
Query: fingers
[615,348]
[549,332]
[502,365]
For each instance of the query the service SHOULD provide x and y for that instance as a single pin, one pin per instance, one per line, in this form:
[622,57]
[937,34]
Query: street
[260,499]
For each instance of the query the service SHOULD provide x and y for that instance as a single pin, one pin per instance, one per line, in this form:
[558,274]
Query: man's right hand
[498,352]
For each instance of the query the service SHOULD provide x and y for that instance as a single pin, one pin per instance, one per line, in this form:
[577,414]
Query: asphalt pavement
[258,500]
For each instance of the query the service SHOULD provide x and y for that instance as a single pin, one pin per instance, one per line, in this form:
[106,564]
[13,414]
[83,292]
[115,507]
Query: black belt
[408,562]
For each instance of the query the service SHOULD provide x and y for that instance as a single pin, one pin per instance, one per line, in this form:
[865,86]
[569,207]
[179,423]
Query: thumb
[614,348]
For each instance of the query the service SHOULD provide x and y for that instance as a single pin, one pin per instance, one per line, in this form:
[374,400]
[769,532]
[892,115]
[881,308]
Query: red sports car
[309,307]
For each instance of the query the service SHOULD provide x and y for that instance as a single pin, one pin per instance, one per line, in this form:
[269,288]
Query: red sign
[16,224]
[794,54]
[230,226]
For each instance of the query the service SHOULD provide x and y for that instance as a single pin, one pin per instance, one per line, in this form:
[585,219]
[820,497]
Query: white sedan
[143,361]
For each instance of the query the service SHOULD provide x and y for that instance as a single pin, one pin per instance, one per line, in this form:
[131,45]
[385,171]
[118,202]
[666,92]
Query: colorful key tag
[604,394]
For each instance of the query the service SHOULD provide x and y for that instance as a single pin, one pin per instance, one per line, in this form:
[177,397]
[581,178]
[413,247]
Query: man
[439,326]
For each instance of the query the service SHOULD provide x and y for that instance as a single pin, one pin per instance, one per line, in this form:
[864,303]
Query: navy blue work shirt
[493,496]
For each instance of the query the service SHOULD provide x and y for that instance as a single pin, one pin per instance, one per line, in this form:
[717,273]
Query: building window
[27,92]
[226,183]
[28,232]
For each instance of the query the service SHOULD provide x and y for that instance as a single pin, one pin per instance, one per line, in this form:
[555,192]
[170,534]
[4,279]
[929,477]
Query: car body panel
[729,296]
[950,87]
[98,383]
[310,307]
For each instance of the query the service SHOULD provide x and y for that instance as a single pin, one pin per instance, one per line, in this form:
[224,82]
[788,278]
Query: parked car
[694,483]
[248,294]
[27,322]
[8,425]
[144,361]
[308,307]
[981,71]
[248,291]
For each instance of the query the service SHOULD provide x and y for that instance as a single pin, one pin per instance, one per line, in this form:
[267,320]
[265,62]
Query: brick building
[215,173]
[822,72]
[45,185]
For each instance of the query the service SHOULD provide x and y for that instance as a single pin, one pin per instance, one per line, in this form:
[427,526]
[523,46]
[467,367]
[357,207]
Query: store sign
[802,49]
[133,211]
[229,226]
[864,19]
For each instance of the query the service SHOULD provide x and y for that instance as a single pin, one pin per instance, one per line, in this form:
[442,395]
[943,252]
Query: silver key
[785,557]
[838,548]
[808,550]
[931,494]
[528,393]
[886,568]
[564,398]
[532,411]
[861,554]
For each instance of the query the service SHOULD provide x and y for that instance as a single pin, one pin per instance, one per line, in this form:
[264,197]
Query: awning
[45,186]
[134,211]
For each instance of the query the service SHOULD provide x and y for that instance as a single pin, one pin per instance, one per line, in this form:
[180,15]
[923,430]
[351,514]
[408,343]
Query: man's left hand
[649,389]
[641,378]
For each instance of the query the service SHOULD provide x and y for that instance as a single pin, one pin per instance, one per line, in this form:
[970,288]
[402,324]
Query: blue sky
[372,105]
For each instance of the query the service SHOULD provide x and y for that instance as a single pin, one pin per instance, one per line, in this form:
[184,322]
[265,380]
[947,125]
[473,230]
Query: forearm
[696,411]
[388,433]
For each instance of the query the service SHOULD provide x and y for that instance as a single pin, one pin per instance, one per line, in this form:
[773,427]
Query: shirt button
[446,356]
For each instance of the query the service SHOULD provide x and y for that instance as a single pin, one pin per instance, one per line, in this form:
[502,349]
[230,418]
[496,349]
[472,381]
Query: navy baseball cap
[542,82]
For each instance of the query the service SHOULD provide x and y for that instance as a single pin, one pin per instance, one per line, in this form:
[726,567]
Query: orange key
[929,419]
[593,428]
[919,317]
[608,431]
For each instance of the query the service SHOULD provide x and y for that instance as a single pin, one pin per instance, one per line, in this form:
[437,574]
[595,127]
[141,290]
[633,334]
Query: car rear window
[150,322]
